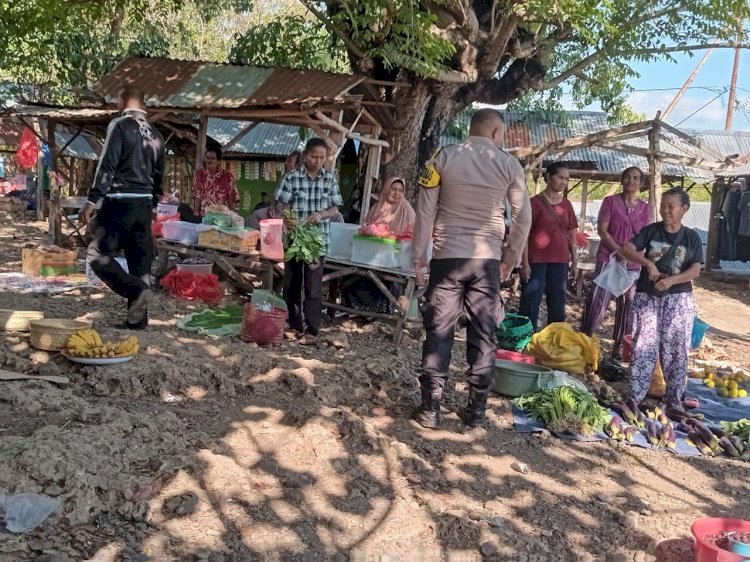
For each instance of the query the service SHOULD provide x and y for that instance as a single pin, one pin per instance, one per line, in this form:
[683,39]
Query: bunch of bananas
[88,343]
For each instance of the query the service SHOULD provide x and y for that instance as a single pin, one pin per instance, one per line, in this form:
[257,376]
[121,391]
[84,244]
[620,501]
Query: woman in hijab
[393,209]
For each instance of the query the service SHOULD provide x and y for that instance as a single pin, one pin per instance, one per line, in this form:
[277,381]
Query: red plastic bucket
[506,355]
[707,552]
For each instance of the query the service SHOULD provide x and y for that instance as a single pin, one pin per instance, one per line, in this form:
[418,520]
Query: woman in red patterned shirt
[550,254]
[213,185]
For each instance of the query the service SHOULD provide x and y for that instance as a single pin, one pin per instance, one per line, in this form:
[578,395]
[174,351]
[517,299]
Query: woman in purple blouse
[621,217]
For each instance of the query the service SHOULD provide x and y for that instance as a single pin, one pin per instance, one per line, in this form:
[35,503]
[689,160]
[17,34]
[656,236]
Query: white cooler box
[342,240]
[376,252]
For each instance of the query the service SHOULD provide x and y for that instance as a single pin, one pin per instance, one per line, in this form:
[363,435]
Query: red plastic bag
[157,227]
[28,150]
[188,286]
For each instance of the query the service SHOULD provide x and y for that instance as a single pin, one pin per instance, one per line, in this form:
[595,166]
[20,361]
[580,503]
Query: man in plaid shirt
[312,194]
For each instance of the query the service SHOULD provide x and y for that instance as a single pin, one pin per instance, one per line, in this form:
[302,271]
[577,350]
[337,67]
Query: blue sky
[660,82]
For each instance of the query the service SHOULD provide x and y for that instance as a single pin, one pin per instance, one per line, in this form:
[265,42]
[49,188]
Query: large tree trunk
[421,113]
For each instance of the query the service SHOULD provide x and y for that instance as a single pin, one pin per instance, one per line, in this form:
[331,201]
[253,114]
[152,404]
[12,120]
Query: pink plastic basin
[506,355]
[706,552]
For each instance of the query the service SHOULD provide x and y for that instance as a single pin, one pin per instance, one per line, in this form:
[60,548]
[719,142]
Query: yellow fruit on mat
[709,383]
[711,376]
[723,392]
[732,385]
[733,393]
[719,383]
[742,393]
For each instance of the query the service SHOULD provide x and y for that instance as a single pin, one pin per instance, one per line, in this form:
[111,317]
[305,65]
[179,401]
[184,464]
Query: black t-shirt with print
[656,241]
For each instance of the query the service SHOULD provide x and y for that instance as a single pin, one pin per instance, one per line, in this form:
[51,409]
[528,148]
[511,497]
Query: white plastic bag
[615,277]
[25,512]
[560,378]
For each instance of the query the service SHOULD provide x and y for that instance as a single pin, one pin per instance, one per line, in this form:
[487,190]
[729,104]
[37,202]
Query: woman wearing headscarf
[621,217]
[393,210]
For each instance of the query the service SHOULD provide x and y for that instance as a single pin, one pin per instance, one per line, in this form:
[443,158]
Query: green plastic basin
[513,378]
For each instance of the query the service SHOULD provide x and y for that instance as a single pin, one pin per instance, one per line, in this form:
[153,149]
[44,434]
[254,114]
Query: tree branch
[353,49]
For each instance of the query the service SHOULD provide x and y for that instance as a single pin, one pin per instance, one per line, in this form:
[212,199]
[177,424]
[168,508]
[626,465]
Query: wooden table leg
[267,281]
[333,295]
[408,293]
[162,261]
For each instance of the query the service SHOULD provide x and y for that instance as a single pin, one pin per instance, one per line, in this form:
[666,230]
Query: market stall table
[338,268]
[231,262]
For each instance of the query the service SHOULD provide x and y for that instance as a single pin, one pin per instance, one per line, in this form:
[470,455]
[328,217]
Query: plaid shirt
[307,196]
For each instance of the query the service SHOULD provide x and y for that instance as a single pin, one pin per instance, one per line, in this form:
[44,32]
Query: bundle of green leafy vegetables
[565,409]
[215,319]
[304,242]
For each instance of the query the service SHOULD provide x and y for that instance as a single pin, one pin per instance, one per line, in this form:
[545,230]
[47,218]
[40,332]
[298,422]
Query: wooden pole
[712,260]
[685,86]
[371,175]
[584,201]
[55,228]
[654,167]
[200,149]
[733,86]
[337,136]
[39,173]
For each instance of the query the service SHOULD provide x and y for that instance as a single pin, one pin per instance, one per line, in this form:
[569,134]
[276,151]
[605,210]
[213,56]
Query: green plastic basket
[514,332]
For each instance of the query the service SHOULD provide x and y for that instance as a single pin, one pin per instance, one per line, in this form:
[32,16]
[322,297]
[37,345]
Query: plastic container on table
[505,355]
[406,255]
[165,209]
[272,239]
[196,268]
[180,231]
[342,240]
[514,379]
[707,552]
[593,246]
[375,252]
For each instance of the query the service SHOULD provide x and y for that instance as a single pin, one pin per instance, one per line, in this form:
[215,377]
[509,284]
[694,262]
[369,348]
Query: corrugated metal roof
[62,113]
[741,171]
[79,148]
[195,84]
[524,131]
[266,139]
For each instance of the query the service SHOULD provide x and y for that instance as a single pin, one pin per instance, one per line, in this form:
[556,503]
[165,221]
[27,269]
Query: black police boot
[474,412]
[428,414]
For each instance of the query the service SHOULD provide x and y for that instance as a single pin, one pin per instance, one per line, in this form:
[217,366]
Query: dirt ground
[208,449]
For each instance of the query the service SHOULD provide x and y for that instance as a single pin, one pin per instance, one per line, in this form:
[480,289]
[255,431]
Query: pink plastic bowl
[705,552]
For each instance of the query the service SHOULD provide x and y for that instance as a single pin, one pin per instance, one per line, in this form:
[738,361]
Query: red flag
[28,150]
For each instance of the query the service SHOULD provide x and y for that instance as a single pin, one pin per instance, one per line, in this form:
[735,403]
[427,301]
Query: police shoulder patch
[430,177]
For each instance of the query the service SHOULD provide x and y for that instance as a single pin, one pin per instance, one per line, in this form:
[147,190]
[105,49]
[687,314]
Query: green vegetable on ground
[565,408]
[304,242]
[214,319]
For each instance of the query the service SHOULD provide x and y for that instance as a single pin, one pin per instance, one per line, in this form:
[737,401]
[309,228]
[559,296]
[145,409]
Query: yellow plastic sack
[560,347]
[658,385]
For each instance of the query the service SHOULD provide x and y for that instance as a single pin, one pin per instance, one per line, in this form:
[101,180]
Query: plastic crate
[180,231]
[342,240]
[376,252]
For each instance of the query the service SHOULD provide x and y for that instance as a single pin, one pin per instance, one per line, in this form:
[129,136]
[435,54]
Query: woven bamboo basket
[52,334]
[18,320]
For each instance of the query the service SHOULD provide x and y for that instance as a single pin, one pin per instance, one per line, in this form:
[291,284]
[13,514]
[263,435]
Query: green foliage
[295,41]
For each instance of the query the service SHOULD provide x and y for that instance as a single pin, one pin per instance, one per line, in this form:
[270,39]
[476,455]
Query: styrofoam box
[94,281]
[406,256]
[180,231]
[376,252]
[196,268]
[164,209]
[342,240]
